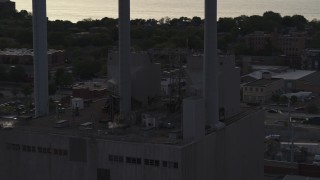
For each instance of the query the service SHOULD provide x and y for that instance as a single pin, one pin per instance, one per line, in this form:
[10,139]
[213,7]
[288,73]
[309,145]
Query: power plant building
[194,144]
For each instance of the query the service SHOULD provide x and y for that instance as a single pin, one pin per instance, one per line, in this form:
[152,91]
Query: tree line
[90,39]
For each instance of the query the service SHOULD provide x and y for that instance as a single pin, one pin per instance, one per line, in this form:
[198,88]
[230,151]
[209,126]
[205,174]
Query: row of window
[148,162]
[252,89]
[253,98]
[45,150]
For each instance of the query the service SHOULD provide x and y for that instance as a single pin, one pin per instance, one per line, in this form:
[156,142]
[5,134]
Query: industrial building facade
[234,152]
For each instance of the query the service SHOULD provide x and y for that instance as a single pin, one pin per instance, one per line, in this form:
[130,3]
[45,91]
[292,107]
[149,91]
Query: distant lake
[75,10]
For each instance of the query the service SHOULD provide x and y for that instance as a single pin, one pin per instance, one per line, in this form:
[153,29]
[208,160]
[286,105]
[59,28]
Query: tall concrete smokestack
[124,58]
[40,59]
[211,70]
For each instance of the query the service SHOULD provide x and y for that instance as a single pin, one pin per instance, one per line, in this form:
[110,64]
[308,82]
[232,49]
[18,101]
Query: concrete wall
[23,165]
[235,152]
[145,75]
[229,94]
[229,80]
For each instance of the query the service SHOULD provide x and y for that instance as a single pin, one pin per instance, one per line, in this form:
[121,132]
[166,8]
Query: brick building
[262,90]
[24,58]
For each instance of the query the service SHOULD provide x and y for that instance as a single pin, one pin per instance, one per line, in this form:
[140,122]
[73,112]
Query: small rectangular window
[164,164]
[65,152]
[138,160]
[151,162]
[120,158]
[146,161]
[175,165]
[128,160]
[157,163]
[110,157]
[133,160]
[116,158]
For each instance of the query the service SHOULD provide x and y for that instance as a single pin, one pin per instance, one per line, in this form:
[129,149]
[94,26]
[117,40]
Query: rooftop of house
[294,177]
[312,79]
[90,85]
[294,75]
[24,52]
[262,82]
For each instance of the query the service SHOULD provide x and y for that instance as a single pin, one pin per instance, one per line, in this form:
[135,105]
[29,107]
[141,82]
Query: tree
[312,108]
[26,90]
[225,24]
[52,88]
[196,21]
[283,99]
[17,73]
[293,99]
[299,21]
[62,77]
[87,68]
[14,92]
[275,98]
[3,73]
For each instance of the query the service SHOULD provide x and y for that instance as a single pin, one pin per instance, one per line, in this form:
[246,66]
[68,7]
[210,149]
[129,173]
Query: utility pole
[291,134]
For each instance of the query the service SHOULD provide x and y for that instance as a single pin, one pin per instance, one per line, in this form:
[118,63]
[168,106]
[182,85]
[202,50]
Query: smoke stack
[124,58]
[40,58]
[211,70]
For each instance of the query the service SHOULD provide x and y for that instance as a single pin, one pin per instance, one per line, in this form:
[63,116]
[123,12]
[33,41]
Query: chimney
[211,71]
[124,59]
[40,58]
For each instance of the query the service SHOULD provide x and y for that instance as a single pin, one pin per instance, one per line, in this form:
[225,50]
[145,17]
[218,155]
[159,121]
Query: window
[110,157]
[120,159]
[164,164]
[138,160]
[157,163]
[116,158]
[261,89]
[170,164]
[175,165]
[257,89]
[103,174]
[128,160]
[15,147]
